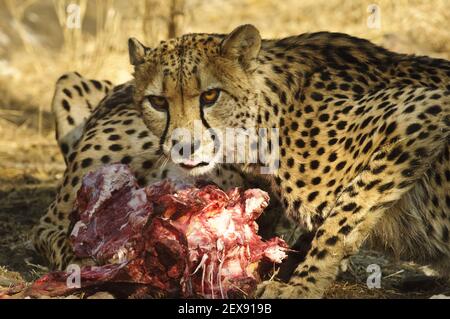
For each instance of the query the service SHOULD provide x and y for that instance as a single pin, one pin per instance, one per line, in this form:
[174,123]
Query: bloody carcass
[175,240]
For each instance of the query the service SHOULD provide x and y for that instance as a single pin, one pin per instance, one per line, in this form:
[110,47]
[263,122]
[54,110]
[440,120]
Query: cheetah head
[191,89]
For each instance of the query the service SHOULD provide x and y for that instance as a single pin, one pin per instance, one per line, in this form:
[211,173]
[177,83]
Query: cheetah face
[192,89]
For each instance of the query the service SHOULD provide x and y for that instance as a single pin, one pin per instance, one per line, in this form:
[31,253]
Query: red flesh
[180,240]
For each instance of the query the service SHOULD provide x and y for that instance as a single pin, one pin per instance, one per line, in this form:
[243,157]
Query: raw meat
[177,240]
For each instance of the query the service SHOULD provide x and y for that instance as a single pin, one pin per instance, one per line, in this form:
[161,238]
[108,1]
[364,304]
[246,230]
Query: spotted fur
[364,136]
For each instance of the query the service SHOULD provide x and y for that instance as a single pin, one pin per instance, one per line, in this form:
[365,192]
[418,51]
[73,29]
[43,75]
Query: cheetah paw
[278,290]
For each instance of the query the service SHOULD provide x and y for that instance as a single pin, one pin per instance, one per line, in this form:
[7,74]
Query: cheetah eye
[208,98]
[158,102]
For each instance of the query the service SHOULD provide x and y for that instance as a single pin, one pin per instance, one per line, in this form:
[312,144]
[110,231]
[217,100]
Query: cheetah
[97,124]
[364,136]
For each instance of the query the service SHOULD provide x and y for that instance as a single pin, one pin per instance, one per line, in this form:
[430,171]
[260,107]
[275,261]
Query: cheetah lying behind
[364,146]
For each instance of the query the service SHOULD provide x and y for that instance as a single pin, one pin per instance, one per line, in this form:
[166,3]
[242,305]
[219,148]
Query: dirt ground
[29,172]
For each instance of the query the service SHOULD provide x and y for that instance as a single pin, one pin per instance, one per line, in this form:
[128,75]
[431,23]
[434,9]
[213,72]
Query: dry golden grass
[99,49]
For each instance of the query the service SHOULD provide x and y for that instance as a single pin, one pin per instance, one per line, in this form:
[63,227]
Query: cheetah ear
[137,51]
[243,44]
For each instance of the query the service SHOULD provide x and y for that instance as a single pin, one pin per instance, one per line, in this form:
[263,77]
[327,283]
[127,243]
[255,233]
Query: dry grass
[99,48]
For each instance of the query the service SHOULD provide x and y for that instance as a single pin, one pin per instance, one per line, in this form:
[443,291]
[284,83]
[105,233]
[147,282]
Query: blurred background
[41,39]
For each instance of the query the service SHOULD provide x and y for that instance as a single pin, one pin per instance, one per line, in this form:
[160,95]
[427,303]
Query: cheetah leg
[390,174]
[74,99]
[48,236]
